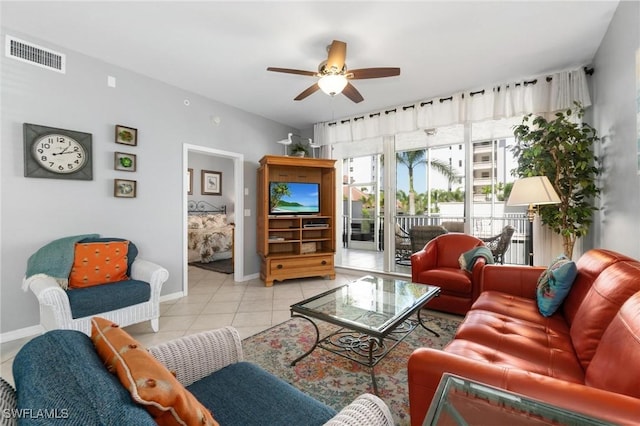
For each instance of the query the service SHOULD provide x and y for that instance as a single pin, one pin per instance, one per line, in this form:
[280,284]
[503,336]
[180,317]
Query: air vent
[34,54]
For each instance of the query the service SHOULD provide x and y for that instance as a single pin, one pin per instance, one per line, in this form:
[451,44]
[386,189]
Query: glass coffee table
[374,315]
[460,401]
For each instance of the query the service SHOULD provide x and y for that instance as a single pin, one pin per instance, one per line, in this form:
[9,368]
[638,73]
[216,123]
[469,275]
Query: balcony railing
[481,227]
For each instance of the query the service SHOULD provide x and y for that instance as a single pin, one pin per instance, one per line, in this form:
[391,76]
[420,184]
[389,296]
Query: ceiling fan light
[332,84]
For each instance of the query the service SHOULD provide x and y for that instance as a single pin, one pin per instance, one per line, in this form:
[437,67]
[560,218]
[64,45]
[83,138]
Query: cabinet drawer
[300,263]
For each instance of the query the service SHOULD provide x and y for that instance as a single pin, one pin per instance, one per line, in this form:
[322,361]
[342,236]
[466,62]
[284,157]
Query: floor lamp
[532,191]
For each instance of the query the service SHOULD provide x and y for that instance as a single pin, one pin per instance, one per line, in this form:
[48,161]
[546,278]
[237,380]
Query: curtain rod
[587,71]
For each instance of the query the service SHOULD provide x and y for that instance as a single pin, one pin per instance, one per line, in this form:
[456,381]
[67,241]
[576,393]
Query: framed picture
[190,182]
[126,135]
[211,183]
[125,162]
[124,188]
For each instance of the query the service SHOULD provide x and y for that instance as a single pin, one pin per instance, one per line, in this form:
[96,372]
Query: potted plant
[562,150]
[299,149]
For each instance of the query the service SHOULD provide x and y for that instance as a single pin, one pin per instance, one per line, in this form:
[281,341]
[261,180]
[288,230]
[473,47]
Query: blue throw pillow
[554,284]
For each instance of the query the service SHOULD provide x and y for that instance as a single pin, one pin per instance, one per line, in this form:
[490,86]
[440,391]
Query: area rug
[224,266]
[335,380]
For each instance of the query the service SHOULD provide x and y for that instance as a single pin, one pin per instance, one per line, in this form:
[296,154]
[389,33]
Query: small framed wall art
[125,162]
[211,183]
[190,182]
[126,135]
[124,188]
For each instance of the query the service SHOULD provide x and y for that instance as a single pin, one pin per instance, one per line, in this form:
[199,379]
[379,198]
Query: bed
[210,237]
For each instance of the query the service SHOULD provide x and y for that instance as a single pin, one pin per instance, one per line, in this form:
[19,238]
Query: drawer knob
[324,262]
[279,266]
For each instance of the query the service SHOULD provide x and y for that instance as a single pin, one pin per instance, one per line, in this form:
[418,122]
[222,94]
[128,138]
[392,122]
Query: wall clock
[57,153]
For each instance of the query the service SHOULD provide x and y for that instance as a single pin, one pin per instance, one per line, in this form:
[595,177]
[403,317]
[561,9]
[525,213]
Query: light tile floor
[214,301]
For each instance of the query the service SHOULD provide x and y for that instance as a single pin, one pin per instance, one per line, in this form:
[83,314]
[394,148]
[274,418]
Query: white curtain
[542,95]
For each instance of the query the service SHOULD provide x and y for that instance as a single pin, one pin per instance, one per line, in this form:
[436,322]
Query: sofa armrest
[426,367]
[421,261]
[54,303]
[476,277]
[366,410]
[516,280]
[198,355]
[8,403]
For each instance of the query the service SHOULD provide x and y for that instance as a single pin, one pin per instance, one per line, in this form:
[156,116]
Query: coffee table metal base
[362,348]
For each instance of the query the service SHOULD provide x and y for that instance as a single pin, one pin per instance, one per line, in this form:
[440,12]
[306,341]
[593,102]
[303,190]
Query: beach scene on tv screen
[292,197]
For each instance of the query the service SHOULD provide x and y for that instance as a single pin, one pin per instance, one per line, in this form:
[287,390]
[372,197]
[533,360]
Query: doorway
[238,206]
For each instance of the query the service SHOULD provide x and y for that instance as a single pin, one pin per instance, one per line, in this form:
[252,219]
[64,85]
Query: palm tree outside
[412,159]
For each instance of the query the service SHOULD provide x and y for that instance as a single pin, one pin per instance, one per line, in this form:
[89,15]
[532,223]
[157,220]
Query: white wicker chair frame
[55,311]
[196,356]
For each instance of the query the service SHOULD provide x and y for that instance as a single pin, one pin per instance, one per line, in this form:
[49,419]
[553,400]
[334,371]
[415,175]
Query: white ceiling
[221,49]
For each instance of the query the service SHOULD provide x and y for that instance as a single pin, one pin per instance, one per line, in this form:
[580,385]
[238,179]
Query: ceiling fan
[334,75]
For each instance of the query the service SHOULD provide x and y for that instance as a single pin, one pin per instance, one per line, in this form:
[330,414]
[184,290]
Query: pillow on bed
[194,222]
[214,221]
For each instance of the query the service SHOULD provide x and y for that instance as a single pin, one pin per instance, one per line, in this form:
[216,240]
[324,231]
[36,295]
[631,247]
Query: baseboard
[250,277]
[21,333]
[171,296]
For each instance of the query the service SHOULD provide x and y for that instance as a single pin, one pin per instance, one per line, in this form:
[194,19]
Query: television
[293,198]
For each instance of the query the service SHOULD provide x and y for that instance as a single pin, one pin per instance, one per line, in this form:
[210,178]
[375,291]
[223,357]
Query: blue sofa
[61,380]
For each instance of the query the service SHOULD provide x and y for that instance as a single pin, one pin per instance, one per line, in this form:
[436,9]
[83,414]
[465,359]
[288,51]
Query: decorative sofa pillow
[554,284]
[132,253]
[99,263]
[150,383]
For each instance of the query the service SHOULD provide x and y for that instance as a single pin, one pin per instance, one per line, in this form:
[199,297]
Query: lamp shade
[332,84]
[535,190]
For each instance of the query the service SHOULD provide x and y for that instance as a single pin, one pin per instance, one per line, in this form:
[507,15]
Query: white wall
[36,211]
[614,115]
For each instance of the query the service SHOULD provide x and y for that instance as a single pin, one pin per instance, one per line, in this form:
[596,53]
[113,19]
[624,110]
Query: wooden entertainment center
[296,245]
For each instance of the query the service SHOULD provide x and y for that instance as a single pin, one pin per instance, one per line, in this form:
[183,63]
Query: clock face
[59,153]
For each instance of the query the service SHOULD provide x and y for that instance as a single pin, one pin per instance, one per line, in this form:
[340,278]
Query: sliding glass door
[457,177]
[362,203]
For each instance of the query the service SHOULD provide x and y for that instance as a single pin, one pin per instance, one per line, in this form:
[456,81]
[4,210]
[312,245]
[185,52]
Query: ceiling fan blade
[352,93]
[373,73]
[292,71]
[337,56]
[310,90]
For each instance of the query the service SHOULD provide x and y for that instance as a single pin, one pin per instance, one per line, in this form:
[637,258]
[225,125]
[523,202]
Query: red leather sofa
[437,264]
[585,357]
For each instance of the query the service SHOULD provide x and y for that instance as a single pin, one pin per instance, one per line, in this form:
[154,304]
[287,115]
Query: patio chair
[421,235]
[453,226]
[498,244]
[403,246]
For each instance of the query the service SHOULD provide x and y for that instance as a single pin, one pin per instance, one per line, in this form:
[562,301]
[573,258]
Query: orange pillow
[149,382]
[99,263]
